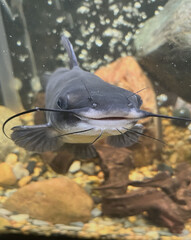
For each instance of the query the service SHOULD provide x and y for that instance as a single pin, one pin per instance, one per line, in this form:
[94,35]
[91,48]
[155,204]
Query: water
[101,32]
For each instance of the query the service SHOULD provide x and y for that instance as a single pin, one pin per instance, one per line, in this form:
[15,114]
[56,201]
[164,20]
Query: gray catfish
[80,109]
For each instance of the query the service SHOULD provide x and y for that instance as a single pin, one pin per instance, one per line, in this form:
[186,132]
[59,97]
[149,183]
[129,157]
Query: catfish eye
[61,103]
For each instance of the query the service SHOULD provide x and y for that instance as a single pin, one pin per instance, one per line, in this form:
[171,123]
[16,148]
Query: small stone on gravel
[96,212]
[19,217]
[75,167]
[4,211]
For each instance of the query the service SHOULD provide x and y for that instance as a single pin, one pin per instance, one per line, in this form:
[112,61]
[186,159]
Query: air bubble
[137,5]
[18,43]
[49,2]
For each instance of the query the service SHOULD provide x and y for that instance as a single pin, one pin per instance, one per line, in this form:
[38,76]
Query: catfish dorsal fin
[70,51]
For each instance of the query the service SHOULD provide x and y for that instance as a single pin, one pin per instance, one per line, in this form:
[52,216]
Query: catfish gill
[80,109]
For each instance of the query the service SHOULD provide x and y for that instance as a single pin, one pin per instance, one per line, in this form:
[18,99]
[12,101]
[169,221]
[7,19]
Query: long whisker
[30,111]
[144,135]
[66,134]
[137,92]
[97,137]
[128,136]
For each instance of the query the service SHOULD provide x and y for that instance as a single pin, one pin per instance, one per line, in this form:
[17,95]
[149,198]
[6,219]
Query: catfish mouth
[109,118]
[105,118]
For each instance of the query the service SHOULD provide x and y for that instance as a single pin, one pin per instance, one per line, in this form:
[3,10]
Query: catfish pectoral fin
[38,138]
[81,150]
[126,139]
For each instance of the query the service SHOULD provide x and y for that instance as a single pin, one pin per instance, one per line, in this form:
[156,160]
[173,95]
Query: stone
[5,212]
[75,167]
[39,222]
[96,212]
[56,200]
[20,171]
[163,48]
[77,224]
[23,181]
[88,168]
[68,228]
[6,144]
[7,176]
[19,217]
[31,166]
[3,224]
[153,235]
[9,192]
[11,158]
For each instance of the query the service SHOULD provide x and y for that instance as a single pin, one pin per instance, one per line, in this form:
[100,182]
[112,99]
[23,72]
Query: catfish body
[68,90]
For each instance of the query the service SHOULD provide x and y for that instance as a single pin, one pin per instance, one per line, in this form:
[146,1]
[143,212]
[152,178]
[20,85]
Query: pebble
[19,217]
[141,222]
[11,158]
[2,192]
[96,212]
[20,171]
[75,167]
[9,192]
[77,224]
[138,230]
[37,172]
[132,219]
[185,232]
[88,188]
[154,235]
[127,224]
[31,166]
[3,224]
[23,181]
[88,168]
[164,233]
[173,158]
[4,211]
[68,228]
[39,222]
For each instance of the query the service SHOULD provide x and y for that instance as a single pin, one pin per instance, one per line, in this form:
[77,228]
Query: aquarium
[95,117]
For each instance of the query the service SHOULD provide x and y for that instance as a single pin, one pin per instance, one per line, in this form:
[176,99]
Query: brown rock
[57,200]
[7,176]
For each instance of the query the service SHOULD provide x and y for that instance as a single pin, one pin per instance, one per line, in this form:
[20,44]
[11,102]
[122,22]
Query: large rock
[163,47]
[57,200]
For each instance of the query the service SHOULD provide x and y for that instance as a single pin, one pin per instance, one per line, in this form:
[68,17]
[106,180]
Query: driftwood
[165,197]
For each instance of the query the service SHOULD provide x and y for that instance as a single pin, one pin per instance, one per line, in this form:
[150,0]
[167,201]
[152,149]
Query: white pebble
[19,217]
[4,211]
